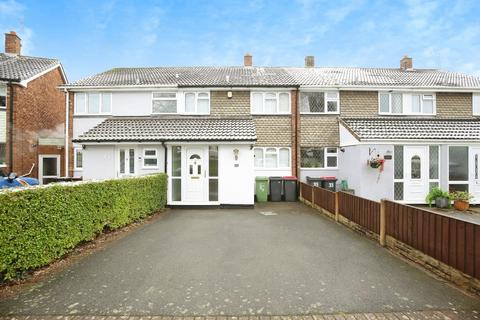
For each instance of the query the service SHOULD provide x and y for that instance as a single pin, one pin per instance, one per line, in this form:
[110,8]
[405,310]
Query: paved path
[239,262]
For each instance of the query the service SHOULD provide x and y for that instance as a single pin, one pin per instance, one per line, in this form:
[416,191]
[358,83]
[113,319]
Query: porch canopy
[358,130]
[152,129]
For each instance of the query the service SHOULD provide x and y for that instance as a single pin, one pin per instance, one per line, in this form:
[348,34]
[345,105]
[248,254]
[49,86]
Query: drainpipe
[10,124]
[67,123]
[165,156]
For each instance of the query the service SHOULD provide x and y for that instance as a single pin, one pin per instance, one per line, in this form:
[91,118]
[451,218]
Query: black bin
[329,183]
[290,188]
[314,181]
[276,186]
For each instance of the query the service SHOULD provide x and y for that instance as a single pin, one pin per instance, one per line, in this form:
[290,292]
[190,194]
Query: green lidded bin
[261,188]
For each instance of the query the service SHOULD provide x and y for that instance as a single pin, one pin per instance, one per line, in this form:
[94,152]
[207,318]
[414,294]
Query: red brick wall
[39,111]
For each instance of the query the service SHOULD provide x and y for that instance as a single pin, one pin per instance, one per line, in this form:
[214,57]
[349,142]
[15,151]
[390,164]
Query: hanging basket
[376,164]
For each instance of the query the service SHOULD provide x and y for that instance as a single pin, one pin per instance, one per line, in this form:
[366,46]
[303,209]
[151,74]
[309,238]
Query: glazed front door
[126,162]
[195,175]
[474,171]
[416,173]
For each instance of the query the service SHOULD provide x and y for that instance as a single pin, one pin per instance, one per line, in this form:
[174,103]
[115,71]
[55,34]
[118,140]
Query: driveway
[279,258]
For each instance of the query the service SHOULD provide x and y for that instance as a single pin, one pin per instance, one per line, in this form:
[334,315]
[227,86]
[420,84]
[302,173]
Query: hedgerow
[39,225]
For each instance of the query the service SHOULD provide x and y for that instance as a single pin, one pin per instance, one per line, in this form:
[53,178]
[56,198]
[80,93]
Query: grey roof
[15,67]
[413,128]
[279,77]
[190,77]
[170,129]
[382,77]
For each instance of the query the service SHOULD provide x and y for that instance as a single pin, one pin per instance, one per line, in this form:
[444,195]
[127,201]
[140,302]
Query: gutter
[10,123]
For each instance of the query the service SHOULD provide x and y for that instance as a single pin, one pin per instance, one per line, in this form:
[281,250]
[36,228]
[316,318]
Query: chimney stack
[406,63]
[13,43]
[309,61]
[247,60]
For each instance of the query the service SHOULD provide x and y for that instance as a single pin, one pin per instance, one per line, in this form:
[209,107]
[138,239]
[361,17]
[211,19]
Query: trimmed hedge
[41,224]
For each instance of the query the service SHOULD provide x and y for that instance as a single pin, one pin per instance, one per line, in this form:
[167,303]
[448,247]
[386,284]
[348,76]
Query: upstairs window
[408,103]
[476,104]
[164,102]
[197,102]
[270,102]
[92,103]
[319,102]
[3,97]
[319,158]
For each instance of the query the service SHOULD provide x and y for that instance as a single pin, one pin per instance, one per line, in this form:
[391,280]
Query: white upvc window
[476,104]
[271,158]
[150,158]
[93,103]
[3,97]
[197,102]
[327,102]
[164,102]
[270,102]
[406,103]
[78,158]
[319,158]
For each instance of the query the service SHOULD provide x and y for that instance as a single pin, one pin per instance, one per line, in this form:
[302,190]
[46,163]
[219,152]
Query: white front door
[195,176]
[49,168]
[416,173]
[126,161]
[474,171]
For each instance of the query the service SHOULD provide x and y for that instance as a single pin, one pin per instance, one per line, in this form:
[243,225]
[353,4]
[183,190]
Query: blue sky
[92,36]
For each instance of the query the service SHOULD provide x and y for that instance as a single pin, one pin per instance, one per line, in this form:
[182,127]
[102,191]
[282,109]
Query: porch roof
[150,129]
[416,129]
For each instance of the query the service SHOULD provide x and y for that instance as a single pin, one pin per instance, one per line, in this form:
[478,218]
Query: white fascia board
[388,88]
[418,142]
[217,142]
[25,82]
[119,88]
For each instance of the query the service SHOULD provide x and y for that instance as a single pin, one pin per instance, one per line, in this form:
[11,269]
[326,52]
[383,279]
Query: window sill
[319,169]
[272,169]
[319,113]
[86,115]
[272,114]
[151,168]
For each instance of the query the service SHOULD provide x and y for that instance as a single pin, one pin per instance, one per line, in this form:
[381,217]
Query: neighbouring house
[32,113]
[214,129]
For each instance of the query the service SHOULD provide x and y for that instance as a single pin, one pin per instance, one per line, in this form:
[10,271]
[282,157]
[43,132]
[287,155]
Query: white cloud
[11,8]
[12,18]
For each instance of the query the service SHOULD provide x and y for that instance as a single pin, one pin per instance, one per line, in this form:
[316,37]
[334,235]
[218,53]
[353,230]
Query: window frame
[144,157]
[277,97]
[196,93]
[277,153]
[100,106]
[165,99]
[476,104]
[3,95]
[404,112]
[459,182]
[325,160]
[325,101]
[75,157]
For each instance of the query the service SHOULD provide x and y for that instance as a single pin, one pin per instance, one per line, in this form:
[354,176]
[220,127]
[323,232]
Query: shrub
[436,193]
[41,224]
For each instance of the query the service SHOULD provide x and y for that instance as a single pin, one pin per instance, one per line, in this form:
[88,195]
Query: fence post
[337,207]
[383,221]
[313,196]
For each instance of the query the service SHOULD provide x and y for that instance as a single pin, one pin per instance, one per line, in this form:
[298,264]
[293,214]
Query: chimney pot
[406,63]
[309,61]
[13,43]
[247,60]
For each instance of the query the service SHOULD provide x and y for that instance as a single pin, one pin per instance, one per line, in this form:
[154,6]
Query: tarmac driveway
[275,259]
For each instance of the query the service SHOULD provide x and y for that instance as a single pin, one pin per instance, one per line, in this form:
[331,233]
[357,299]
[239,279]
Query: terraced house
[213,129]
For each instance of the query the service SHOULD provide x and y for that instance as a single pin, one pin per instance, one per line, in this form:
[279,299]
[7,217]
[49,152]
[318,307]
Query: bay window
[164,102]
[150,158]
[270,102]
[271,158]
[197,102]
[319,158]
[320,102]
[93,103]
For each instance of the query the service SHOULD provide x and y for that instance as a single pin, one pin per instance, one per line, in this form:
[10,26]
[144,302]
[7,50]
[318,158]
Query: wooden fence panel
[324,198]
[306,191]
[449,240]
[361,211]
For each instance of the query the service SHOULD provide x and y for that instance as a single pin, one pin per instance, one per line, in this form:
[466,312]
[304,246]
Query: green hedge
[41,224]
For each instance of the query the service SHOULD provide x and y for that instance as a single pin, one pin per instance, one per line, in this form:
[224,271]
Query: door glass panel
[213,190]
[199,169]
[476,166]
[191,169]
[458,163]
[458,187]
[122,161]
[213,161]
[398,191]
[398,161]
[416,167]
[131,161]
[49,167]
[176,161]
[433,152]
[177,189]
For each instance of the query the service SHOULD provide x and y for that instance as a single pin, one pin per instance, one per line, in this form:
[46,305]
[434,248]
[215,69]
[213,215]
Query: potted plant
[461,200]
[440,197]
[376,163]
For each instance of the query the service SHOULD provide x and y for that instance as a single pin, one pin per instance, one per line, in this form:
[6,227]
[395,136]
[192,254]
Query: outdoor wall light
[235,154]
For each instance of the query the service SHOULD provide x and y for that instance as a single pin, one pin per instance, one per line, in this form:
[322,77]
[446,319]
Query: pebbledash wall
[39,111]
